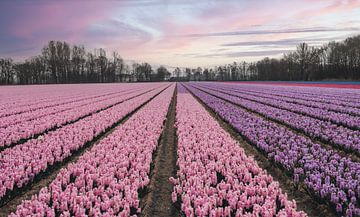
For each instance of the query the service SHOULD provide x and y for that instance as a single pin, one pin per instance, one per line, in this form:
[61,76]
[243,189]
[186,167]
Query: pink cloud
[44,18]
[157,29]
[334,7]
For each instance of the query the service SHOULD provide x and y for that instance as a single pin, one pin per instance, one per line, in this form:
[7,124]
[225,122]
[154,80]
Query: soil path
[157,201]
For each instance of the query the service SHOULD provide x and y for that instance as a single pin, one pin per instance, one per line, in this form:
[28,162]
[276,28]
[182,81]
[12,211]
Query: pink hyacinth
[37,155]
[215,177]
[126,150]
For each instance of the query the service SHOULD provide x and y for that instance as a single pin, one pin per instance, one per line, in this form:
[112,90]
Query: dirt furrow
[156,201]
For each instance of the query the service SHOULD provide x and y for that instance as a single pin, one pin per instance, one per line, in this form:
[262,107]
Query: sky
[185,33]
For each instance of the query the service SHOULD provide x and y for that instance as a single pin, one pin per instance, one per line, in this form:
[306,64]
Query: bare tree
[6,71]
[177,72]
[161,73]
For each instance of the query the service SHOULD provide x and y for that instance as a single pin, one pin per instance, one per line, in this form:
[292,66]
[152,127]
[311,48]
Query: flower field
[232,149]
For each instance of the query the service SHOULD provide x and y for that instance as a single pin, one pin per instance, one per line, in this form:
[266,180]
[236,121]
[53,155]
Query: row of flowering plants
[333,179]
[105,180]
[21,164]
[342,137]
[295,98]
[27,129]
[30,98]
[336,96]
[339,118]
[13,102]
[215,177]
[50,110]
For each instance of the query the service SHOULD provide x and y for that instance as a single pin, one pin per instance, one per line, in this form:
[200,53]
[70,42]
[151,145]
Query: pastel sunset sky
[176,32]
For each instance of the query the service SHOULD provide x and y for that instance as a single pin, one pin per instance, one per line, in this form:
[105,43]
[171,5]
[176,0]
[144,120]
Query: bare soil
[157,199]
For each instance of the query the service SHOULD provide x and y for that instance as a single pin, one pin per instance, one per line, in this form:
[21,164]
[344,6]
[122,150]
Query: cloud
[265,32]
[27,26]
[151,3]
[282,42]
[258,53]
[115,29]
[331,8]
[156,30]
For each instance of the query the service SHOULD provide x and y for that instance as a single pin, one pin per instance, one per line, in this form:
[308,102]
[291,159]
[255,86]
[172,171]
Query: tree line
[334,60]
[59,62]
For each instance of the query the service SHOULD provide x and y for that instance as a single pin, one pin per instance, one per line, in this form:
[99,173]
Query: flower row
[22,163]
[66,106]
[334,179]
[27,129]
[337,118]
[215,177]
[105,180]
[344,97]
[326,131]
[30,98]
[25,98]
[293,98]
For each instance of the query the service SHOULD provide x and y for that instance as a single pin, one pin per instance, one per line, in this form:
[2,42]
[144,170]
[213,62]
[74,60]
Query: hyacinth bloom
[24,99]
[348,98]
[215,177]
[340,136]
[323,171]
[25,129]
[105,180]
[347,120]
[22,163]
[60,107]
[337,104]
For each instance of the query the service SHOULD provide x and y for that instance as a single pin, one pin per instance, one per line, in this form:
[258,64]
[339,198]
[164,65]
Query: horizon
[176,33]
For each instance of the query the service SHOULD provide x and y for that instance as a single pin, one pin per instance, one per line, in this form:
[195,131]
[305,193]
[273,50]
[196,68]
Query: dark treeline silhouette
[60,62]
[335,60]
